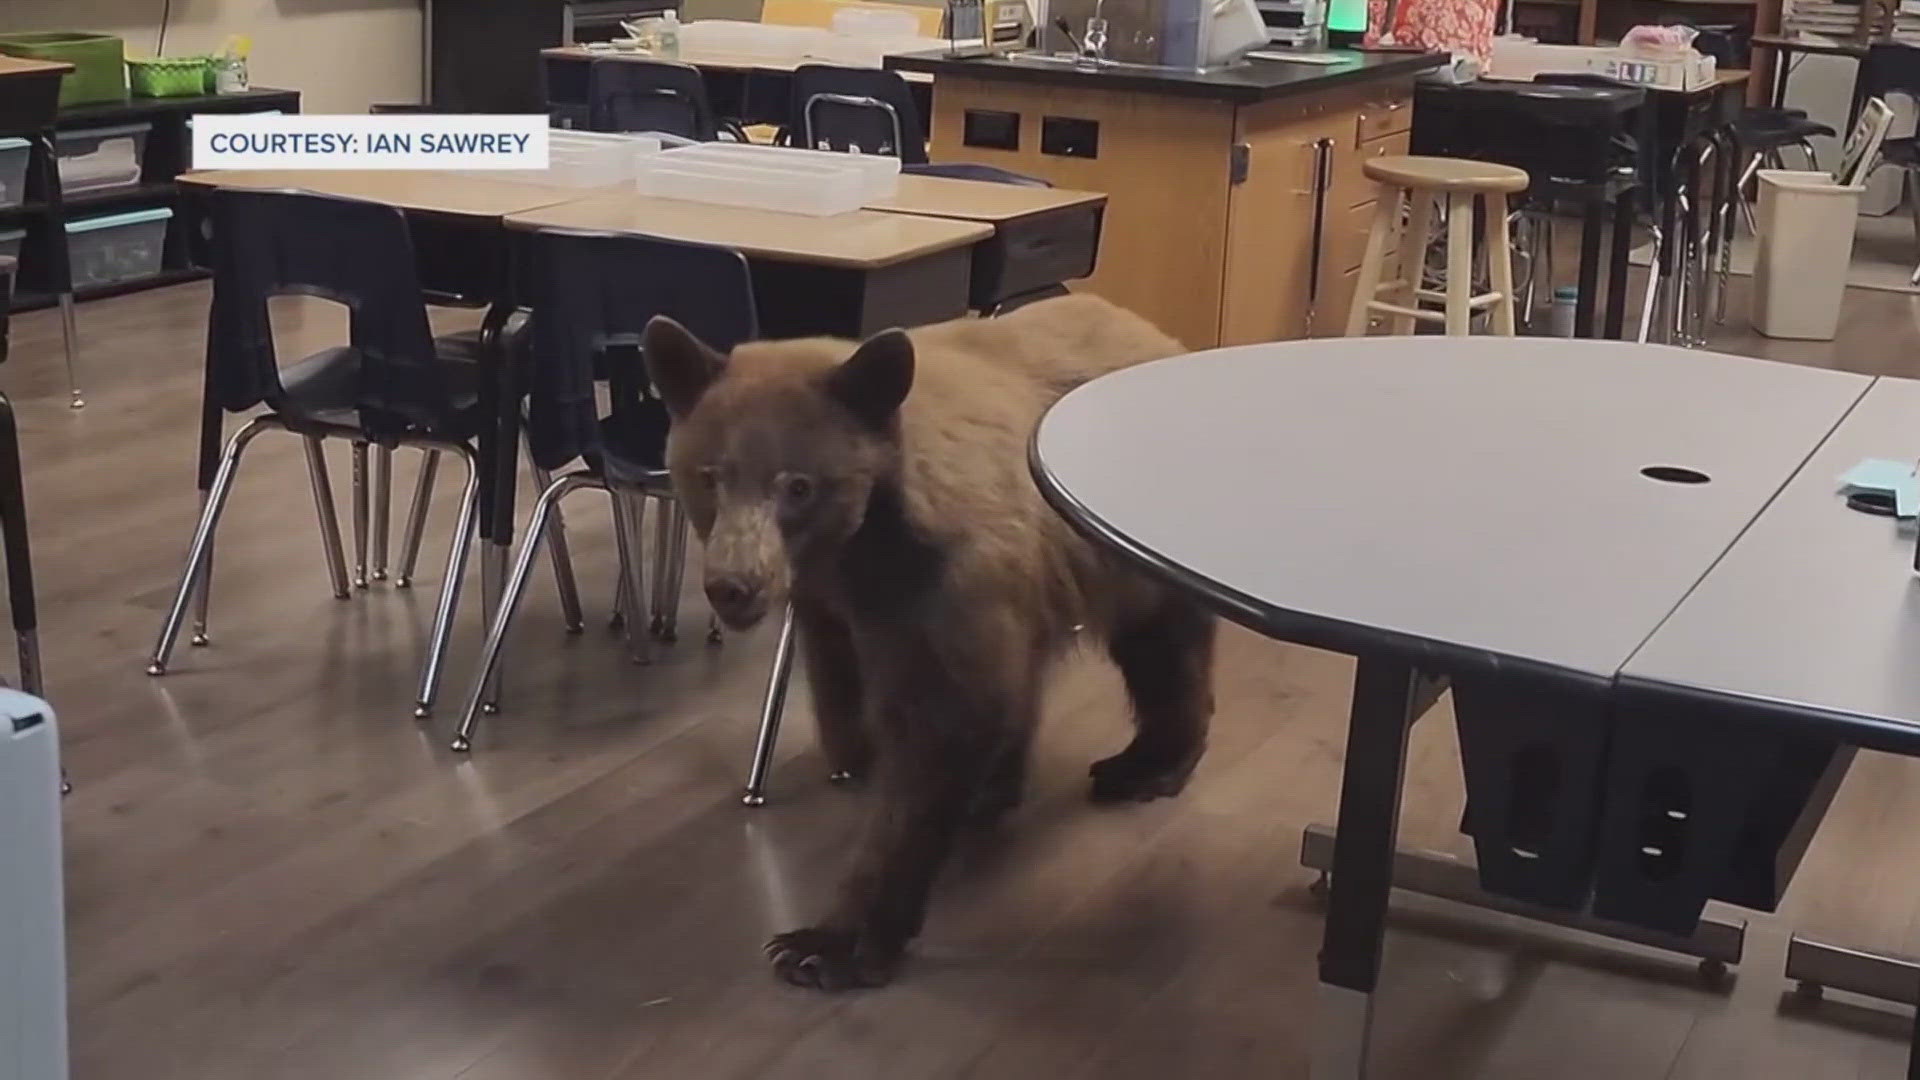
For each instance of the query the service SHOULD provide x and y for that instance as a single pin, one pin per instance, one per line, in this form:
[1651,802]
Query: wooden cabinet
[1228,222]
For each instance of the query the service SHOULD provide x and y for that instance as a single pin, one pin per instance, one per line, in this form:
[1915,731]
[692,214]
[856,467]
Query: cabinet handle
[1322,180]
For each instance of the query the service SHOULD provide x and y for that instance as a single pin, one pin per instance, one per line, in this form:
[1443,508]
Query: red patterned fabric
[1455,26]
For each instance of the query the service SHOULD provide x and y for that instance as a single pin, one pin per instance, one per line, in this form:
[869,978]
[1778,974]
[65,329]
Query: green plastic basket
[99,69]
[167,76]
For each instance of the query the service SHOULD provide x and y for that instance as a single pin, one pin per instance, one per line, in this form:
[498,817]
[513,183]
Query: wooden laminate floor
[274,873]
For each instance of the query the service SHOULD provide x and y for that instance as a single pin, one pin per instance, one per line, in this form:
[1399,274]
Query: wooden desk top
[723,61]
[462,194]
[862,239]
[976,200]
[20,65]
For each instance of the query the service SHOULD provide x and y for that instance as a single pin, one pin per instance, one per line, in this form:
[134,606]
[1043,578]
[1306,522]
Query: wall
[341,54]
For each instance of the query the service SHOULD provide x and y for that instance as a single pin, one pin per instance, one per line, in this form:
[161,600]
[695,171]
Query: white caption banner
[391,141]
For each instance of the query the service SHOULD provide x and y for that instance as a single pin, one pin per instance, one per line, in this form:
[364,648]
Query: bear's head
[776,450]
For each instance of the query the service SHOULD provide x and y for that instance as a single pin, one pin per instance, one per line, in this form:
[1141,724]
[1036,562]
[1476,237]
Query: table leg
[1583,311]
[499,453]
[1617,261]
[1782,63]
[1384,703]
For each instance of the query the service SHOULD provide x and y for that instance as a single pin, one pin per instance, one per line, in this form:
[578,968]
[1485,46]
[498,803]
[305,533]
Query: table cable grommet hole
[1674,474]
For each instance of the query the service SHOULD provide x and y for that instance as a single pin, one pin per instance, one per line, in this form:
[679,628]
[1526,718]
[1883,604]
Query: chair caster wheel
[461,744]
[403,583]
[491,708]
[714,637]
[66,786]
[198,641]
[422,711]
[669,636]
[1321,888]
[616,622]
[1809,991]
[359,583]
[840,777]
[156,669]
[1713,973]
[576,628]
[753,798]
[379,575]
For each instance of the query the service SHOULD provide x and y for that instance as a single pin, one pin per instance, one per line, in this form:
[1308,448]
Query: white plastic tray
[798,187]
[879,174]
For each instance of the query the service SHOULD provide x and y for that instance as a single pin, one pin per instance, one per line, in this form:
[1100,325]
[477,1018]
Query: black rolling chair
[859,109]
[592,295]
[653,95]
[390,385]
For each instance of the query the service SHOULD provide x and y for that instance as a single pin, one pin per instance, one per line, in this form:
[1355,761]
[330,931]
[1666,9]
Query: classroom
[933,539]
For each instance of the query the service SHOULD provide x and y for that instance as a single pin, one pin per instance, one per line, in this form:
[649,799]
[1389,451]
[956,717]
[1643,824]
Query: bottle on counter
[667,42]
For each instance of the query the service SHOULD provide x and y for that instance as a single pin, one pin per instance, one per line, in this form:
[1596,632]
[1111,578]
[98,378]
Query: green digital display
[1348,15]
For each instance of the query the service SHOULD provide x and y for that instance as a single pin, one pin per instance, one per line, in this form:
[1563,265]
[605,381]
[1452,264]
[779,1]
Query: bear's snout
[739,602]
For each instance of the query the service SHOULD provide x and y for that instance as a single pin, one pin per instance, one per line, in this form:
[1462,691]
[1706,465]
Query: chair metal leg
[216,502]
[1653,286]
[382,509]
[626,535]
[516,584]
[561,556]
[329,522]
[202,595]
[70,336]
[662,563]
[676,568]
[463,531]
[417,519]
[359,515]
[771,708]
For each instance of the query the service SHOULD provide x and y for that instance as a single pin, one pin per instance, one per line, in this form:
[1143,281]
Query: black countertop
[1251,81]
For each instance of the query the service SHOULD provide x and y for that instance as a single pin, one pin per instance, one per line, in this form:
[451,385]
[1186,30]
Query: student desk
[1805,638]
[1041,236]
[749,88]
[1473,512]
[849,274]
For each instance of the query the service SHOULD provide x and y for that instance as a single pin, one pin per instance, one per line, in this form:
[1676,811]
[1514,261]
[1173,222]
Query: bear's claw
[827,959]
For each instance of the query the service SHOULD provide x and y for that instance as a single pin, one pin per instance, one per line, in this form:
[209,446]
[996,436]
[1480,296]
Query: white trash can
[1806,224]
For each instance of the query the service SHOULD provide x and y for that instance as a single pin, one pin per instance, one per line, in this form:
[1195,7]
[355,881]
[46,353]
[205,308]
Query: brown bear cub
[882,489]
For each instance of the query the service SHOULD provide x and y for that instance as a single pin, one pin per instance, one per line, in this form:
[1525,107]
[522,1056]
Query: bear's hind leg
[1165,654]
[833,677]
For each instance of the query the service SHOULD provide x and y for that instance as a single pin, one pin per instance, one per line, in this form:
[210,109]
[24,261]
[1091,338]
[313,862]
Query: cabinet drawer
[1350,185]
[1346,238]
[1384,117]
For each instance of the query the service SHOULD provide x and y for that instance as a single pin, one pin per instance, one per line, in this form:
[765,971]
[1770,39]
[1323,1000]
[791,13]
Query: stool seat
[1446,174]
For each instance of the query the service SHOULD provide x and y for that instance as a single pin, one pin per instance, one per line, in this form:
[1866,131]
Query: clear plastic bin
[13,171]
[879,173]
[798,187]
[97,160]
[118,247]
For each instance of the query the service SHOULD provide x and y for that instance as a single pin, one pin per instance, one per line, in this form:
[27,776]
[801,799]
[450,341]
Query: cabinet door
[1277,214]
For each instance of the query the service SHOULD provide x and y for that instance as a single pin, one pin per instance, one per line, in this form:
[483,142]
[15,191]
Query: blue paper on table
[1893,478]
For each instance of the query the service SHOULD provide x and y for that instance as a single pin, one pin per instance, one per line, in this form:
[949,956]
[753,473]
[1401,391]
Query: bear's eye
[795,489]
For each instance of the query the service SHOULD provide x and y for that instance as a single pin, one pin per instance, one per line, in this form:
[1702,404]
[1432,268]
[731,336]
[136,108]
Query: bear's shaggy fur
[931,584]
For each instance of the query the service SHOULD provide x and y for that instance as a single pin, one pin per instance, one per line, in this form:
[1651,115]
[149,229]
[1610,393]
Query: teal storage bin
[13,172]
[116,248]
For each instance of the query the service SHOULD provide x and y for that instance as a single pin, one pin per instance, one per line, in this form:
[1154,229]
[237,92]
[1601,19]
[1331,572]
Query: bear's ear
[873,382]
[680,365]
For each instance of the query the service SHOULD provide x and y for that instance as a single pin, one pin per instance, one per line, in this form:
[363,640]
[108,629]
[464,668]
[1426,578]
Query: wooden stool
[1422,179]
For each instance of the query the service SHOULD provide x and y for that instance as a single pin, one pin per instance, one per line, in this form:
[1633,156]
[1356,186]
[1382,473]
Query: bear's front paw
[829,959]
[1133,775]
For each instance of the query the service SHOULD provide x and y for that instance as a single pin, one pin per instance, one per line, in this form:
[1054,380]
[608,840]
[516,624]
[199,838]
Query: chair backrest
[865,109]
[965,170]
[593,294]
[648,95]
[1890,68]
[358,254]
